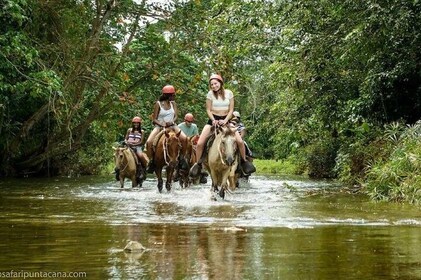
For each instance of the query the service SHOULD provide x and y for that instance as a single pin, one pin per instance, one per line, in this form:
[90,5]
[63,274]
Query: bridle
[121,154]
[165,148]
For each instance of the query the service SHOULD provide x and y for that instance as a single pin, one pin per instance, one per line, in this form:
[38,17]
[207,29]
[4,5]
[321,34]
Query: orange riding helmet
[189,117]
[168,89]
[136,120]
[217,77]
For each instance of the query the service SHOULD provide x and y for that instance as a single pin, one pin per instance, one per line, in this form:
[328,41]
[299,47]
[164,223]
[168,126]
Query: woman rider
[164,116]
[219,107]
[134,139]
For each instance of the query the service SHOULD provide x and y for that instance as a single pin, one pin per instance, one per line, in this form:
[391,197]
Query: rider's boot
[139,173]
[247,166]
[117,174]
[151,167]
[196,169]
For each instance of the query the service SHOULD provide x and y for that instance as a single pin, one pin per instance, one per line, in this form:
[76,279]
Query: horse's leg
[158,172]
[170,171]
[222,192]
[224,183]
[134,181]
[121,181]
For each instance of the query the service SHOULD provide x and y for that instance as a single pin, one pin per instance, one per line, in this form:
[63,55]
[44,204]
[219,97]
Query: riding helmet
[136,120]
[168,89]
[189,117]
[216,76]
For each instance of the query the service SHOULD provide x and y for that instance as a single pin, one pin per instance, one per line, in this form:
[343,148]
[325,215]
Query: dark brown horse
[167,152]
[222,160]
[183,173]
[126,163]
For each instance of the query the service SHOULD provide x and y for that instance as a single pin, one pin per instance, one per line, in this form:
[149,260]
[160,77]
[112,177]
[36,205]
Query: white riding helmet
[236,114]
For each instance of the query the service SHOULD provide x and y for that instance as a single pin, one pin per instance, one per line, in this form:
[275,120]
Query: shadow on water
[270,228]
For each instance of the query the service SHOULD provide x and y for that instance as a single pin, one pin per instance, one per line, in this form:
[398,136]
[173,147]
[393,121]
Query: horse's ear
[167,134]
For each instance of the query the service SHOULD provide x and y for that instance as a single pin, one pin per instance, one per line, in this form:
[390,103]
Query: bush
[321,159]
[398,177]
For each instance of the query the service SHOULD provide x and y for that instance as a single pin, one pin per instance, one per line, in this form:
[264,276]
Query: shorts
[217,118]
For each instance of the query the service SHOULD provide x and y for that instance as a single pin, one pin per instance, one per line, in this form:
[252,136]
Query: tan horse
[126,163]
[166,154]
[222,160]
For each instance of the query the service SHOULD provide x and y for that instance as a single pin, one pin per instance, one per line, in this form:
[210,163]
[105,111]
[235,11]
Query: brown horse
[183,174]
[167,152]
[222,160]
[126,163]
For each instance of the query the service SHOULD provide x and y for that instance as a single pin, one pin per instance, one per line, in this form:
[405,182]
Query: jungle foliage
[318,83]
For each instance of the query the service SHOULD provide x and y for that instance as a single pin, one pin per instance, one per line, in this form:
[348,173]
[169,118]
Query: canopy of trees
[315,81]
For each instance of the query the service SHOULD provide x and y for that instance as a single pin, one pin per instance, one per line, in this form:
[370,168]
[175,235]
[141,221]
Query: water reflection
[270,229]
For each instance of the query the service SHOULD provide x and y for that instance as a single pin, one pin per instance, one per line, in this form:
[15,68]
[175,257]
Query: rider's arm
[127,134]
[231,109]
[209,109]
[142,138]
[155,115]
[175,110]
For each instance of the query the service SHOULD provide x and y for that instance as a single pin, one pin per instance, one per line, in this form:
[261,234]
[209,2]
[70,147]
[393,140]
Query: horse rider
[164,117]
[188,126]
[239,126]
[219,107]
[134,139]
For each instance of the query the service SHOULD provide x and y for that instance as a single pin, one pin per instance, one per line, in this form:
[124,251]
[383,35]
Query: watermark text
[42,274]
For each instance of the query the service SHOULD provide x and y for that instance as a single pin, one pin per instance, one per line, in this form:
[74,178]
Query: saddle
[156,140]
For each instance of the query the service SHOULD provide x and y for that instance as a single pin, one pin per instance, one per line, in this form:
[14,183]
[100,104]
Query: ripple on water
[262,202]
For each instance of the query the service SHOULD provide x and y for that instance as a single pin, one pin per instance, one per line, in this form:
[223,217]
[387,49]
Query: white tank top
[219,104]
[166,115]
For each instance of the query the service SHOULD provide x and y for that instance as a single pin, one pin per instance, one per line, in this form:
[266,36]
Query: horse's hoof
[222,193]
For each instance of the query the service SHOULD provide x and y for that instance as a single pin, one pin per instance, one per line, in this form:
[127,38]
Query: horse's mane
[130,159]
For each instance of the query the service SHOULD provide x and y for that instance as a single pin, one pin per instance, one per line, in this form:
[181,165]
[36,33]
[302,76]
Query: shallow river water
[270,228]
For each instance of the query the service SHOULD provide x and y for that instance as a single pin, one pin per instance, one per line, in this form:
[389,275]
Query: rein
[221,155]
[165,148]
[219,148]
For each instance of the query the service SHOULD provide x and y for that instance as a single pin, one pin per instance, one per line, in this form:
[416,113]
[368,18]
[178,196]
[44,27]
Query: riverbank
[281,167]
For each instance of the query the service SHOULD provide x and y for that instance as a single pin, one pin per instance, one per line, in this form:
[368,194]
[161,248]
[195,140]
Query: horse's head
[227,145]
[172,147]
[119,156]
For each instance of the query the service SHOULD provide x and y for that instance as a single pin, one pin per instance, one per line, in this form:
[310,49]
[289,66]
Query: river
[269,228]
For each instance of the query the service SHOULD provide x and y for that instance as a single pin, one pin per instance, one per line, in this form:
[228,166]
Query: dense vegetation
[333,86]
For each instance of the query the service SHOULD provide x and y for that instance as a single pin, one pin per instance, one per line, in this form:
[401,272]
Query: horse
[125,161]
[183,173]
[167,152]
[222,160]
